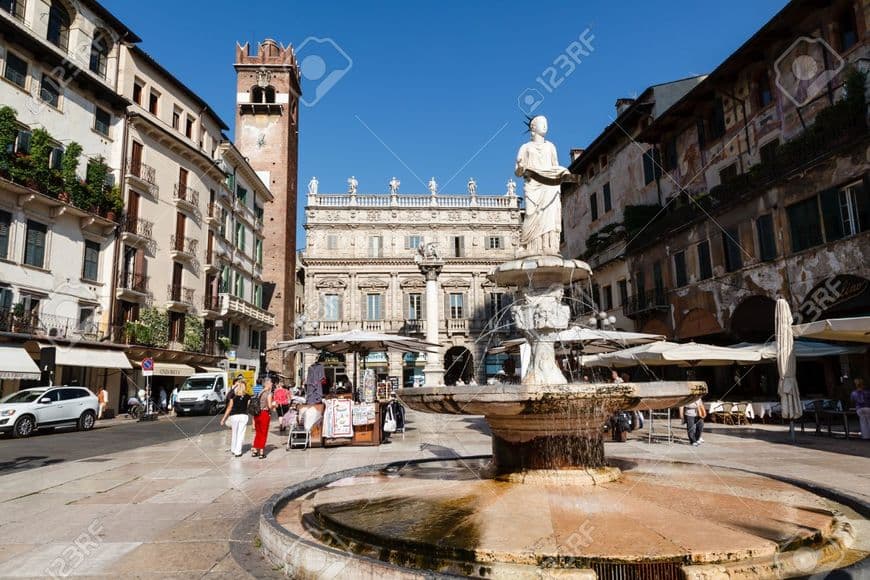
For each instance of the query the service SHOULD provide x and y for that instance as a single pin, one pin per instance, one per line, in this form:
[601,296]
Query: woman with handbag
[262,414]
[237,412]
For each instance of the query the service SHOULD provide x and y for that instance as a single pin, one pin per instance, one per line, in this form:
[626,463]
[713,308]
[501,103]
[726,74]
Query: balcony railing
[145,174]
[184,195]
[212,302]
[185,246]
[457,325]
[419,201]
[414,326]
[133,282]
[639,304]
[214,210]
[138,227]
[235,306]
[49,325]
[180,294]
[373,325]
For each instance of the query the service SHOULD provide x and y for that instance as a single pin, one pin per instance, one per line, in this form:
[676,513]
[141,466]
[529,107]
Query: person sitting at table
[694,414]
[861,399]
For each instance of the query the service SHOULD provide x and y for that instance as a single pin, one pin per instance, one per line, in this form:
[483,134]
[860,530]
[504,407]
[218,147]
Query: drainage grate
[638,570]
[95,460]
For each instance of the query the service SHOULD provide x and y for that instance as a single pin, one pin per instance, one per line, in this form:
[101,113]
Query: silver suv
[25,411]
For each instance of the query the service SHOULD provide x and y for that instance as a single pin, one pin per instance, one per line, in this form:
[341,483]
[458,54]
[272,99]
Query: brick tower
[267,133]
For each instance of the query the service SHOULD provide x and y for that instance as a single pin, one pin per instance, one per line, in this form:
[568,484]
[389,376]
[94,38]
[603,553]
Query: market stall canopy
[357,341]
[78,356]
[802,349]
[15,363]
[846,329]
[664,353]
[593,340]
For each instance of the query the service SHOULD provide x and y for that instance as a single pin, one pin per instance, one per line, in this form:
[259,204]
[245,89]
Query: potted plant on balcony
[18,317]
[114,204]
[8,132]
[224,343]
[96,177]
[71,190]
[193,334]
[39,175]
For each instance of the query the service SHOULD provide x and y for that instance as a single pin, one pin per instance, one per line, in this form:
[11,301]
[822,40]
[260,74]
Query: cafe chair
[738,414]
[724,416]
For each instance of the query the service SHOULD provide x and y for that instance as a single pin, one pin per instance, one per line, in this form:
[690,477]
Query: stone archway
[752,320]
[458,364]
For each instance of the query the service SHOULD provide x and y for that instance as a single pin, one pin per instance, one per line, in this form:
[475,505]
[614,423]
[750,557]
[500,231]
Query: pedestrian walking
[693,413]
[173,398]
[258,387]
[281,398]
[861,399]
[163,399]
[261,421]
[236,415]
[103,400]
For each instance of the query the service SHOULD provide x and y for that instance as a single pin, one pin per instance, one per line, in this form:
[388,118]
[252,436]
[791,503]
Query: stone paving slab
[174,510]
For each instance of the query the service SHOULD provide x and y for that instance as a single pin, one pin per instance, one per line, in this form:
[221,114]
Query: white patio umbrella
[786,364]
[664,353]
[592,340]
[803,349]
[848,329]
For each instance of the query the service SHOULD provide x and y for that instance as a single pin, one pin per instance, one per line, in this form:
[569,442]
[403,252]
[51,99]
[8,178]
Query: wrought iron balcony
[186,197]
[179,297]
[646,302]
[136,230]
[18,320]
[132,287]
[211,304]
[183,248]
[144,176]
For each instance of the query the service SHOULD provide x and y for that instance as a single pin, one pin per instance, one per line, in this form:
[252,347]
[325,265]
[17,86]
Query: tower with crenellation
[267,133]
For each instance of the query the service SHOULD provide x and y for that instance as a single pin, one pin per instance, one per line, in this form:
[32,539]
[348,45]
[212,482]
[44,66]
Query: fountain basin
[550,427]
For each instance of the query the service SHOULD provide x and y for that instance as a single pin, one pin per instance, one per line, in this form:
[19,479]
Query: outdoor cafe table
[719,407]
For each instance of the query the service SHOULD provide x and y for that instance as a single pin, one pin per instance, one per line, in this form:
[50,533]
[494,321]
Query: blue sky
[434,88]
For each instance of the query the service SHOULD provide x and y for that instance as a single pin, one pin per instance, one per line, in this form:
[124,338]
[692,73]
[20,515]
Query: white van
[202,393]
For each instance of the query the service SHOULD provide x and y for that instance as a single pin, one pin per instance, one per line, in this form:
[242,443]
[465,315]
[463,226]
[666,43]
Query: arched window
[269,94]
[58,25]
[257,94]
[100,47]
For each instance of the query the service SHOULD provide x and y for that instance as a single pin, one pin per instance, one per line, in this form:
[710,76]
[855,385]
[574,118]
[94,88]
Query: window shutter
[461,246]
[831,215]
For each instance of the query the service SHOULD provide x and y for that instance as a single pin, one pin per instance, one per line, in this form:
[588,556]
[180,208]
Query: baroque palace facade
[360,272]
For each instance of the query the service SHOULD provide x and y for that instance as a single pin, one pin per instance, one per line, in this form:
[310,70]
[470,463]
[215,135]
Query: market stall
[364,411]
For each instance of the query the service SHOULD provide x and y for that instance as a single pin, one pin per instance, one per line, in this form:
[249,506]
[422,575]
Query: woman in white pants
[237,415]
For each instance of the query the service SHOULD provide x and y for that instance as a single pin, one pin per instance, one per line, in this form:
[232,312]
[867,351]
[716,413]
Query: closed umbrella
[786,364]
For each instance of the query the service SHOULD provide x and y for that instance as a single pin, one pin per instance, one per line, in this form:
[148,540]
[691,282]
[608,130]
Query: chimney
[623,104]
[575,153]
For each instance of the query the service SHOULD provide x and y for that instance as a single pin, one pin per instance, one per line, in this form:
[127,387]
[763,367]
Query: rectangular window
[651,166]
[16,70]
[767,152]
[258,211]
[235,334]
[376,247]
[764,94]
[608,203]
[242,195]
[153,101]
[415,306]
[669,158]
[607,295]
[49,91]
[331,307]
[593,205]
[87,320]
[102,121]
[258,251]
[5,234]
[705,264]
[176,118]
[258,295]
[493,242]
[22,142]
[766,237]
[373,307]
[495,305]
[457,246]
[727,174]
[332,242]
[413,242]
[623,292]
[91,266]
[55,157]
[716,120]
[658,282]
[845,211]
[188,127]
[240,285]
[137,93]
[456,305]
[680,274]
[13,7]
[225,279]
[731,248]
[34,244]
[240,236]
[804,224]
[254,340]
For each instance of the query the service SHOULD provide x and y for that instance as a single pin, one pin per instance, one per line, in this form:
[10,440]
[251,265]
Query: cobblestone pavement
[175,509]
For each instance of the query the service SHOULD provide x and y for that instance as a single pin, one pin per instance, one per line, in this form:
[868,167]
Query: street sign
[147,367]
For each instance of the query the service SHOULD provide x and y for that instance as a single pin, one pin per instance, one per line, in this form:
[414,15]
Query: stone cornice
[372,263]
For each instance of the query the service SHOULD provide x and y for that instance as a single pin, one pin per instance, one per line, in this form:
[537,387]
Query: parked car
[202,393]
[25,411]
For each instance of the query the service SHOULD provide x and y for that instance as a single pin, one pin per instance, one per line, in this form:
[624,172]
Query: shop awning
[164,369]
[15,363]
[78,356]
[204,369]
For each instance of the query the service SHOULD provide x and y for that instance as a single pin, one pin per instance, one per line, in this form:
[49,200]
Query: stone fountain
[547,503]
